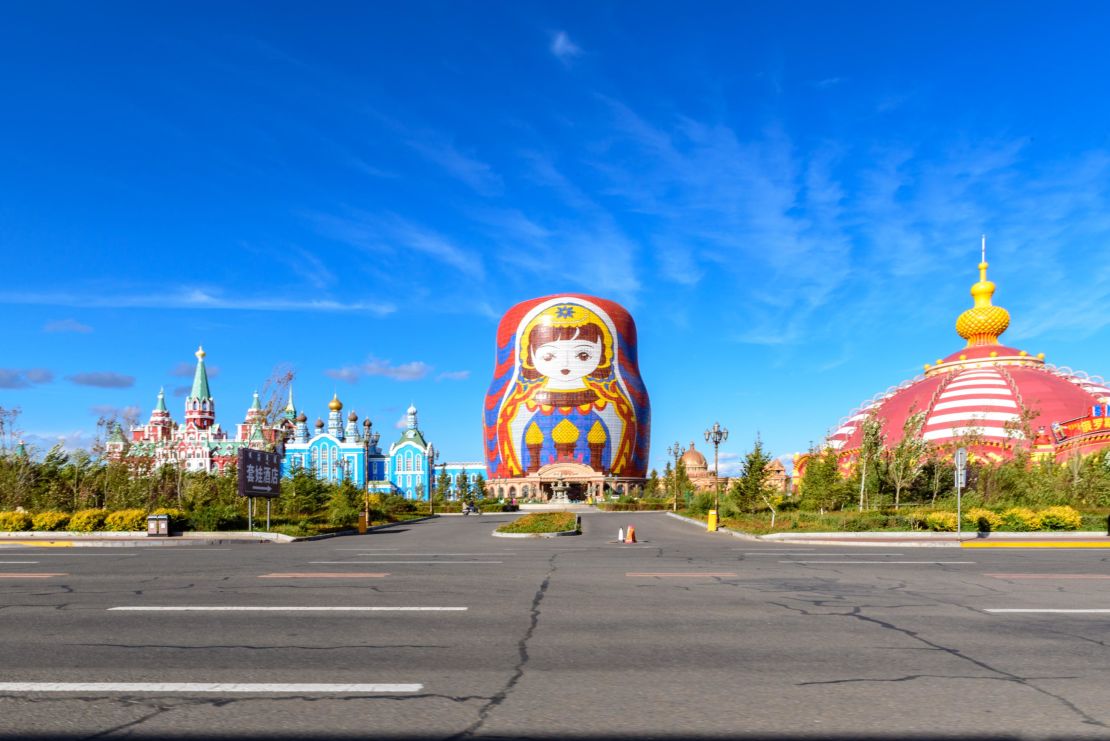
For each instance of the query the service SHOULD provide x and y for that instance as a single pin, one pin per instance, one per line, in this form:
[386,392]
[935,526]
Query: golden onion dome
[335,404]
[983,322]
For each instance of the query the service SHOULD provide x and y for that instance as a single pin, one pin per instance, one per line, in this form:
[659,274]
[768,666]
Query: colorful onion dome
[982,323]
[985,396]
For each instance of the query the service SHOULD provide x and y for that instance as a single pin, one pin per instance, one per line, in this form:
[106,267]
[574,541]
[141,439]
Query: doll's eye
[548,357]
[583,356]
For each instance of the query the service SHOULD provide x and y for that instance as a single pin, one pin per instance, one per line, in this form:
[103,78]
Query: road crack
[522,662]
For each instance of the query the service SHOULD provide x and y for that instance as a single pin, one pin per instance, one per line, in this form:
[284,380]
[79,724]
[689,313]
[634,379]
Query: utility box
[158,525]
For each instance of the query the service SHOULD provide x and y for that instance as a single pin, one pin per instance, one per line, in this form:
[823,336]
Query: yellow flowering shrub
[941,521]
[1021,519]
[12,521]
[1060,518]
[50,521]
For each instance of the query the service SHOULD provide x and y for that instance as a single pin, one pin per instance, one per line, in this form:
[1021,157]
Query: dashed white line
[443,563]
[881,563]
[286,608]
[221,687]
[1098,611]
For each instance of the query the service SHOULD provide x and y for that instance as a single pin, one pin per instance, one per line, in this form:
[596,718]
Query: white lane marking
[881,563]
[202,687]
[1051,610]
[18,561]
[367,549]
[791,553]
[406,555]
[296,608]
[78,555]
[445,563]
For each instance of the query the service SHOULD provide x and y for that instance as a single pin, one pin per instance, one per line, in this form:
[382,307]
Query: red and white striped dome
[987,394]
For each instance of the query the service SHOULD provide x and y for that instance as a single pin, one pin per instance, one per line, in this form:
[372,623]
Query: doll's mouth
[565,371]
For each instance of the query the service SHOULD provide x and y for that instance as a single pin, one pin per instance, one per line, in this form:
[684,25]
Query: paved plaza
[437,629]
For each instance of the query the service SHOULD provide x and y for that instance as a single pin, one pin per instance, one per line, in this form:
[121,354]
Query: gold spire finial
[200,353]
[335,404]
[983,322]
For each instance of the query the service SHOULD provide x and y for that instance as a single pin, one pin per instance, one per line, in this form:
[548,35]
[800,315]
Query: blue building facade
[455,473]
[410,461]
[338,452]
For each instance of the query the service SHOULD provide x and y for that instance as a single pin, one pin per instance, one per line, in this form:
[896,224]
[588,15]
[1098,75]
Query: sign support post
[961,480]
[259,476]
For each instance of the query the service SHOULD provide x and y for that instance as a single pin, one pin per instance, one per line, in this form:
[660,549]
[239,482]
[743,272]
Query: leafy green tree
[443,483]
[462,483]
[822,487]
[653,488]
[869,470]
[479,486]
[751,490]
[908,457]
[344,504]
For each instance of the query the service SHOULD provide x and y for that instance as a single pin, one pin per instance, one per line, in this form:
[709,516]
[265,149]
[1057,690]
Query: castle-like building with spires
[335,452]
[200,444]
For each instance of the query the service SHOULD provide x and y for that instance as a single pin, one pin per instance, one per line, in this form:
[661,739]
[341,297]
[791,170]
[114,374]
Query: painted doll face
[566,362]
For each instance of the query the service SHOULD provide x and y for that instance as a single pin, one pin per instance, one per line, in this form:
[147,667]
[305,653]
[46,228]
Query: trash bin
[158,525]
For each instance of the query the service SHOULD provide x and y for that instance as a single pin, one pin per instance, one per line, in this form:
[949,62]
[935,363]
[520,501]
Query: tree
[462,483]
[870,461]
[750,491]
[907,458]
[652,488]
[479,486]
[822,487]
[443,483]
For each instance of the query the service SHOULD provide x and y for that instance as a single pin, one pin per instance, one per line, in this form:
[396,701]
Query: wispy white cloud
[459,375]
[67,325]
[412,371]
[193,298]
[392,235]
[440,150]
[563,48]
[70,441]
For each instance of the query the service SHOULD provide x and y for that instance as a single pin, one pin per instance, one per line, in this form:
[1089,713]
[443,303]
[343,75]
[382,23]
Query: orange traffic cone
[631,538]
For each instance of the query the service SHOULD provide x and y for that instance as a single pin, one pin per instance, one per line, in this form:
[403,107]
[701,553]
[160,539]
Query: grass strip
[541,522]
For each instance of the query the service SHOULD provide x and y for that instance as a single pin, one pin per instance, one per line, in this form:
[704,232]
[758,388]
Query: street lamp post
[675,450]
[716,435]
[431,483]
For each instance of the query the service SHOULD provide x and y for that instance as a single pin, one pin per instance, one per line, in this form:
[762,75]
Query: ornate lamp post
[716,435]
[431,476]
[675,450]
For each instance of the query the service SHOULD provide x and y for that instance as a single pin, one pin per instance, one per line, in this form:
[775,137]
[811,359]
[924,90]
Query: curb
[139,539]
[535,535]
[907,539]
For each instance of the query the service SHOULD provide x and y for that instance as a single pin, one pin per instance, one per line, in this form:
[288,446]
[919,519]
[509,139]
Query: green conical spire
[200,380]
[161,406]
[21,450]
[290,409]
[116,436]
[256,406]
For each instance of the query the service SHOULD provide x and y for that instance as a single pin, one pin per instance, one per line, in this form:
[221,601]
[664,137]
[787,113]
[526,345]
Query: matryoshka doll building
[988,397]
[567,415]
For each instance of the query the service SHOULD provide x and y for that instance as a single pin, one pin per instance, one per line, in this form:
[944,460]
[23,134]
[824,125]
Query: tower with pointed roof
[200,407]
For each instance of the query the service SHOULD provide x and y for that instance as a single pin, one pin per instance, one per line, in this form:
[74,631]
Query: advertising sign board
[259,473]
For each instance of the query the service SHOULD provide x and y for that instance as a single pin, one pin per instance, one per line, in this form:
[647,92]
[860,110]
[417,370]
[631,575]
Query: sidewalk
[1050,539]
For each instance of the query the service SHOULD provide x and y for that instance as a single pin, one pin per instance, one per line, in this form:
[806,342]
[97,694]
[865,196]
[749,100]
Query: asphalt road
[686,633]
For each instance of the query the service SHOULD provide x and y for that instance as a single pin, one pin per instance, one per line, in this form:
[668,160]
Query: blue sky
[788,198]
